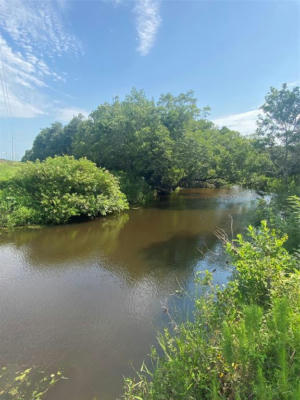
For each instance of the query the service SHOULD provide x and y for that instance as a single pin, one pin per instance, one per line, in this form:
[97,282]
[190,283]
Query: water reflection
[87,297]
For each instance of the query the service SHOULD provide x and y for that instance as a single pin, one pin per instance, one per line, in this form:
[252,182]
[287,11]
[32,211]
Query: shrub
[58,189]
[261,262]
[244,342]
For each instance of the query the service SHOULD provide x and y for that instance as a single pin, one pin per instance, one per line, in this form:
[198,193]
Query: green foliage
[7,170]
[220,155]
[27,384]
[261,261]
[165,144]
[244,342]
[13,211]
[295,206]
[279,127]
[136,189]
[171,143]
[282,213]
[130,136]
[57,190]
[54,141]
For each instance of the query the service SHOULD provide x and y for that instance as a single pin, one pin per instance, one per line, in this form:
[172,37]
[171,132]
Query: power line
[6,100]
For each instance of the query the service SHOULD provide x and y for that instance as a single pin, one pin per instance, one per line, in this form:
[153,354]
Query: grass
[8,169]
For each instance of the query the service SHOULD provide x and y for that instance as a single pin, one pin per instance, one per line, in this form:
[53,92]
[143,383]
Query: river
[87,298]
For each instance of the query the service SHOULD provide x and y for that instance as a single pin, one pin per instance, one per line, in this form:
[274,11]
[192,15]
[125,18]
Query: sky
[62,57]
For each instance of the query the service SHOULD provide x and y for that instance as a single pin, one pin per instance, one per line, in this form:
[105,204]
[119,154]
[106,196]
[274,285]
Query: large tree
[279,126]
[163,144]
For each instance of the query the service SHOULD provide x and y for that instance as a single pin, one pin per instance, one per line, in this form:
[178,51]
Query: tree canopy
[170,142]
[167,143]
[279,127]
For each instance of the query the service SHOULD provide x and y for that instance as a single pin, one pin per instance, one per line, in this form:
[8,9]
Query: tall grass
[8,169]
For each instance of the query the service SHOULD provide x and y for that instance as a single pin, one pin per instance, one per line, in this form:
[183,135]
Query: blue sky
[61,57]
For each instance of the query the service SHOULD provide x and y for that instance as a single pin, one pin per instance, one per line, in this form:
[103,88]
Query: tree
[162,144]
[46,144]
[54,141]
[176,112]
[280,128]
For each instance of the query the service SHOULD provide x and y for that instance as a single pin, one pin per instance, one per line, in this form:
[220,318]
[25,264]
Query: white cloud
[31,35]
[66,114]
[148,21]
[37,23]
[21,80]
[19,108]
[245,122]
[293,84]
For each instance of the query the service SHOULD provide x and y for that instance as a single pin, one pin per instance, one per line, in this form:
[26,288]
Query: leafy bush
[244,342]
[261,262]
[58,189]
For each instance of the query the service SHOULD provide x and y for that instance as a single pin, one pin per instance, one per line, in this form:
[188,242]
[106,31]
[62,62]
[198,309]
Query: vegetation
[7,170]
[26,384]
[161,144]
[171,143]
[244,342]
[58,190]
[137,190]
[278,134]
[279,127]
[282,212]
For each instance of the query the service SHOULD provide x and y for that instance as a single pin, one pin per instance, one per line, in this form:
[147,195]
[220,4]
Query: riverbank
[62,189]
[243,342]
[70,292]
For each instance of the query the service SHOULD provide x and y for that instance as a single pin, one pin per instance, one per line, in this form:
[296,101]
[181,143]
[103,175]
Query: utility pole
[12,147]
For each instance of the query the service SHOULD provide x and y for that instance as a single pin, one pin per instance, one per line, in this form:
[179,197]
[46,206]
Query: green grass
[8,169]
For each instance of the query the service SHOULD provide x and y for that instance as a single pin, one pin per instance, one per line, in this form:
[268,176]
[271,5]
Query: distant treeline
[170,142]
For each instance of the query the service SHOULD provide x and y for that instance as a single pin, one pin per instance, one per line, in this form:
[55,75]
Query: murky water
[87,298]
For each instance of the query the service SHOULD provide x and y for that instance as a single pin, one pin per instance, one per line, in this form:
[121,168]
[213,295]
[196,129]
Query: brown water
[88,297]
